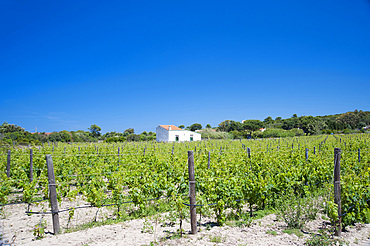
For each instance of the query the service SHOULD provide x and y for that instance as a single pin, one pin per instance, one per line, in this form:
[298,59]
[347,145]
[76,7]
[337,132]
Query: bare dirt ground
[18,229]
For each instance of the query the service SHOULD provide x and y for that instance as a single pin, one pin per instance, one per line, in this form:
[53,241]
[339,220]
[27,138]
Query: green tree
[5,128]
[224,126]
[95,130]
[351,119]
[208,126]
[252,125]
[182,126]
[129,131]
[195,126]
[268,120]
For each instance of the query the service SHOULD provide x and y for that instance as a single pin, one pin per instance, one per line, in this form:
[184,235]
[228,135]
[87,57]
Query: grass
[243,219]
[296,232]
[150,210]
[259,214]
[271,232]
[216,239]
[93,224]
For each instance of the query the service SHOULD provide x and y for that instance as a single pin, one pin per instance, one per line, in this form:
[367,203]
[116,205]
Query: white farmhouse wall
[164,135]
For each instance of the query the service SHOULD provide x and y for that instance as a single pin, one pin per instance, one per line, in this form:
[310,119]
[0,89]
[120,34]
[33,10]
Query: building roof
[172,127]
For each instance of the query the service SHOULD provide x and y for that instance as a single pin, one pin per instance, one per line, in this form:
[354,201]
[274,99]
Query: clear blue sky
[65,65]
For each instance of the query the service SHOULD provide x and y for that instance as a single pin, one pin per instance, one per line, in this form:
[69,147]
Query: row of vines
[138,172]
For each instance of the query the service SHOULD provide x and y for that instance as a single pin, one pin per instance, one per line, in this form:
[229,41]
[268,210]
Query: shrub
[211,134]
[277,133]
[295,211]
[297,132]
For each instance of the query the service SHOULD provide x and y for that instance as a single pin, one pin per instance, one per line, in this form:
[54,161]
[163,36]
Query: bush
[211,134]
[348,131]
[296,211]
[297,132]
[277,133]
[325,239]
[115,139]
[256,134]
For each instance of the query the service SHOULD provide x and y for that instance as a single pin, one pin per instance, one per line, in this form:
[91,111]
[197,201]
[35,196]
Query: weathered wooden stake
[8,165]
[53,194]
[314,150]
[337,200]
[249,152]
[209,159]
[359,156]
[31,165]
[306,154]
[193,213]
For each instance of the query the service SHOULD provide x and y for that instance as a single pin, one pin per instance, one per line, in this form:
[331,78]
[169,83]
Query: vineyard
[229,176]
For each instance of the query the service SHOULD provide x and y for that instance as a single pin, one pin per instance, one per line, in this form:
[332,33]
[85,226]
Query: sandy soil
[18,227]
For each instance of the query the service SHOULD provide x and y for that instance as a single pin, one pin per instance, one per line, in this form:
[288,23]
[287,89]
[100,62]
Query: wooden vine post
[337,200]
[53,194]
[209,159]
[8,165]
[193,213]
[359,156]
[31,165]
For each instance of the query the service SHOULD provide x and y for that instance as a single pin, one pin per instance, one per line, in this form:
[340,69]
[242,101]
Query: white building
[171,133]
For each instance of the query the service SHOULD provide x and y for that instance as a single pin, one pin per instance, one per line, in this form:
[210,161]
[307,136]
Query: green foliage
[7,128]
[128,131]
[39,229]
[211,134]
[195,126]
[95,130]
[216,239]
[252,125]
[115,139]
[325,239]
[233,181]
[294,210]
[277,133]
[271,232]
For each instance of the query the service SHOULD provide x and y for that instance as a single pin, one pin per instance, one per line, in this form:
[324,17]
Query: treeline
[350,122]
[11,134]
